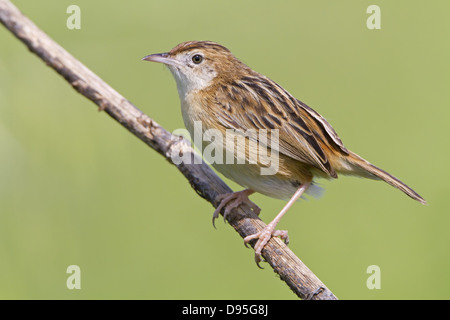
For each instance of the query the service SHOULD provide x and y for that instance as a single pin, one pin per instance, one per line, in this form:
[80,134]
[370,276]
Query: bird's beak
[161,58]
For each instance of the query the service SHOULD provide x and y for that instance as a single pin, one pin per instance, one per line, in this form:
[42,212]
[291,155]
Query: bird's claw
[229,201]
[263,237]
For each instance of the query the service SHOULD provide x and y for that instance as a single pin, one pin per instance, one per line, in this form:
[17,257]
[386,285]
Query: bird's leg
[269,231]
[229,201]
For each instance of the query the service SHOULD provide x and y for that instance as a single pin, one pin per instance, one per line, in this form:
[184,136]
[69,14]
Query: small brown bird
[222,93]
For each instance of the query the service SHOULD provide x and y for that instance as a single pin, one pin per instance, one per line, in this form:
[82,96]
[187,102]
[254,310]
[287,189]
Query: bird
[222,93]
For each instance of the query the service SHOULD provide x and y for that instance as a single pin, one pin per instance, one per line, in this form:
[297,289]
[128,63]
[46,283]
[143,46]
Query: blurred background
[77,188]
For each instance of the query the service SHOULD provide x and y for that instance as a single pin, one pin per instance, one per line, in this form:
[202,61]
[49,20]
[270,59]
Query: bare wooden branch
[201,177]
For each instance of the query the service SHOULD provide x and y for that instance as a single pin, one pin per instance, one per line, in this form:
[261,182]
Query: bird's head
[197,65]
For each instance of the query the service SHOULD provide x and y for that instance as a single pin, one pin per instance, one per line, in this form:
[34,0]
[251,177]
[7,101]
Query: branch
[201,177]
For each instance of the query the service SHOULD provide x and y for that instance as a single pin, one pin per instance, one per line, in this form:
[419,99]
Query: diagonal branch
[201,177]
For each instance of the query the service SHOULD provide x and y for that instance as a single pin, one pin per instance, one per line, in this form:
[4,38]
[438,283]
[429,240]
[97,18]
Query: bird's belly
[274,186]
[249,176]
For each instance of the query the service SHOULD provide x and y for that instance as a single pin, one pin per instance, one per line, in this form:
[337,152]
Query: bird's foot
[263,237]
[229,201]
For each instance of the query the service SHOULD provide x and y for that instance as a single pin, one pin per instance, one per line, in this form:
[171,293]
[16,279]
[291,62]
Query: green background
[76,188]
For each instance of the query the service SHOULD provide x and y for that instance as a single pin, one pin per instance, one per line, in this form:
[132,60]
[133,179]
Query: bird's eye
[197,59]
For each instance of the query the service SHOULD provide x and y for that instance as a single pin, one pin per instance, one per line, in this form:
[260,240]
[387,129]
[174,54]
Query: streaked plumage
[224,93]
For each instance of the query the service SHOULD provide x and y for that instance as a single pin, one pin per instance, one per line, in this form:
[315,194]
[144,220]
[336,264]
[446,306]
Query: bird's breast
[196,112]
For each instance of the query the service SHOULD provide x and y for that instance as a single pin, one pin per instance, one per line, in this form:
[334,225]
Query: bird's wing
[259,103]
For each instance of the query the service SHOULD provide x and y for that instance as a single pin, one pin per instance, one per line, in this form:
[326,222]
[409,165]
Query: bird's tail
[363,168]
